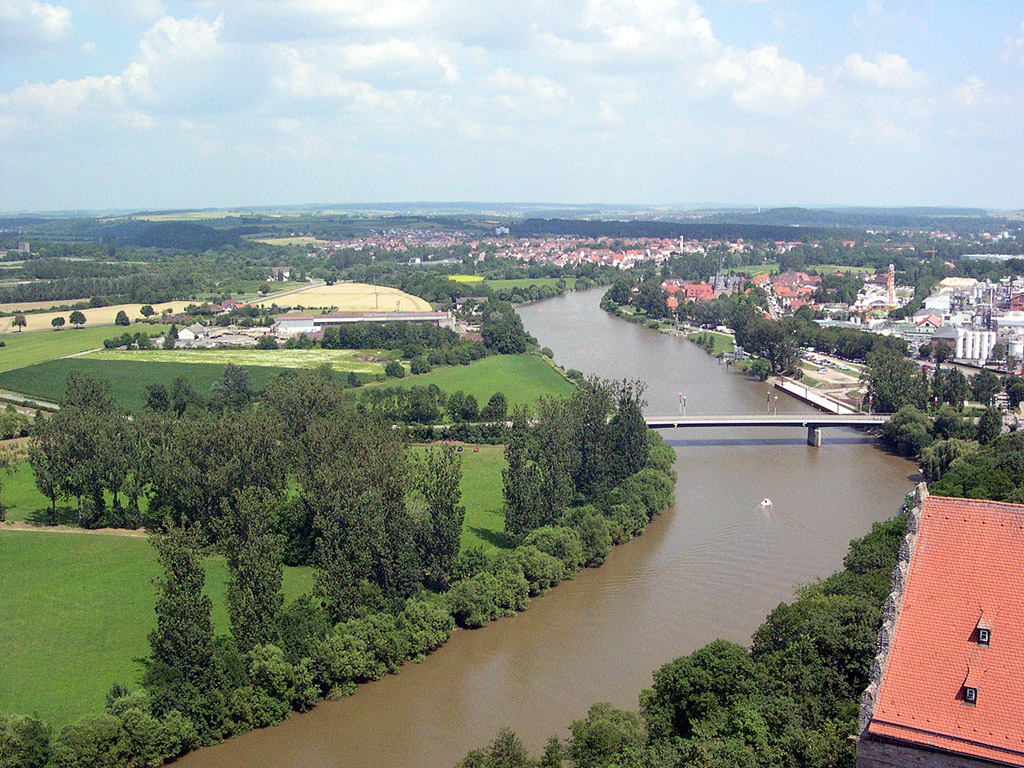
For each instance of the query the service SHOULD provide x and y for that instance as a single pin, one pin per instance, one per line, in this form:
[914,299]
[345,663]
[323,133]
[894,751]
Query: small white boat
[766,502]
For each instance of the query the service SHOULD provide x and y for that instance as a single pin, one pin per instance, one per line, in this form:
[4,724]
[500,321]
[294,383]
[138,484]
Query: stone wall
[890,611]
[879,754]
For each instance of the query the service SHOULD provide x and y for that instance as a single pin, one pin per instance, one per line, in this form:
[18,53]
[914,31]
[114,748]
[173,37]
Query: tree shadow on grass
[45,516]
[496,538]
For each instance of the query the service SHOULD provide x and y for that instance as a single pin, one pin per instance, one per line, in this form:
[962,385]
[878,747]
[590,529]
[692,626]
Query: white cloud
[25,24]
[884,70]
[970,92]
[182,65]
[763,81]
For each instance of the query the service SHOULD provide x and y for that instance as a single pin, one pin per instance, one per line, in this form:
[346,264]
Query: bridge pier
[814,436]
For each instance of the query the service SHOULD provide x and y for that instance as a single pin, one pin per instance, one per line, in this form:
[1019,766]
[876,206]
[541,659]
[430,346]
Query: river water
[712,566]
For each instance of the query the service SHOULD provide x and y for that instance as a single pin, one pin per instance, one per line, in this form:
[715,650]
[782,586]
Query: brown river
[712,566]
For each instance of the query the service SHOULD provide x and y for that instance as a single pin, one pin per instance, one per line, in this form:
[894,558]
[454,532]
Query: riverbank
[712,565]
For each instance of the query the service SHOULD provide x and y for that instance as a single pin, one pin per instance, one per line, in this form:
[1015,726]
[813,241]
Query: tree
[438,476]
[147,311]
[122,318]
[607,737]
[893,381]
[1014,392]
[157,398]
[19,322]
[57,322]
[170,337]
[984,386]
[253,552]
[394,370]
[496,408]
[77,318]
[990,425]
[181,646]
[955,388]
[266,341]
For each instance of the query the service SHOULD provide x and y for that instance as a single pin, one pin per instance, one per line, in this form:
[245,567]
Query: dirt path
[12,525]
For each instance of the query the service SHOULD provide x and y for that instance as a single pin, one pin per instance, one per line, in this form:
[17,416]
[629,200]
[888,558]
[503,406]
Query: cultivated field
[28,306]
[97,316]
[344,360]
[22,349]
[465,278]
[77,610]
[522,378]
[353,297]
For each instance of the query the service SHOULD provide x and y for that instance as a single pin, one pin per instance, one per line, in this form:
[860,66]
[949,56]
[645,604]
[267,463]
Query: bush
[427,625]
[24,742]
[596,540]
[94,741]
[419,365]
[541,570]
[266,341]
[558,541]
[394,370]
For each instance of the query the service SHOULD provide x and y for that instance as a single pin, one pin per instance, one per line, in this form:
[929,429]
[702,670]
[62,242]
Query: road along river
[712,566]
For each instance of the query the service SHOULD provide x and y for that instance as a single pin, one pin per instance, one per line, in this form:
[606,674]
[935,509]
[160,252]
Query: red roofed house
[947,687]
[699,292]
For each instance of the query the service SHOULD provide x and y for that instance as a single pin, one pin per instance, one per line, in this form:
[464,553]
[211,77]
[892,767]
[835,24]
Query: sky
[145,104]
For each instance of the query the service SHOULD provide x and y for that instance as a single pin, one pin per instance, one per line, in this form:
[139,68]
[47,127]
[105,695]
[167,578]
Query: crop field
[344,360]
[97,316]
[353,297]
[522,378]
[29,306]
[77,609]
[128,379]
[23,349]
[465,278]
[526,282]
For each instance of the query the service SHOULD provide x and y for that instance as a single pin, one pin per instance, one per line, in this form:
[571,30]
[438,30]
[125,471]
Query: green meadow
[526,282]
[522,378]
[77,609]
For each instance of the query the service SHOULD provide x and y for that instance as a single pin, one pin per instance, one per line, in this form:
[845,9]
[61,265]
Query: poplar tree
[181,647]
[255,571]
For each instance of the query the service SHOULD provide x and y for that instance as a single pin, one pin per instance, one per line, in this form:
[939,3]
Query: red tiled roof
[967,566]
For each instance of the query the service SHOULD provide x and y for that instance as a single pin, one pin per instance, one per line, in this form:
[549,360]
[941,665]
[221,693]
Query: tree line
[299,475]
[790,700]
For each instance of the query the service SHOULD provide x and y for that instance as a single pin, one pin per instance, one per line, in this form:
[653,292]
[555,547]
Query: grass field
[23,349]
[831,269]
[526,282]
[752,270]
[723,342]
[522,378]
[344,360]
[77,609]
[98,316]
[128,379]
[353,297]
[20,497]
[484,525]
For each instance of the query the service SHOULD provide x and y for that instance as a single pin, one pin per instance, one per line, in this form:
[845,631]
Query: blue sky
[165,104]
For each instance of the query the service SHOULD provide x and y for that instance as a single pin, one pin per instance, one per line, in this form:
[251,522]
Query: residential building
[947,686]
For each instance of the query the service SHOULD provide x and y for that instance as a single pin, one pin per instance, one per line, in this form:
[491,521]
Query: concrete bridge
[813,422]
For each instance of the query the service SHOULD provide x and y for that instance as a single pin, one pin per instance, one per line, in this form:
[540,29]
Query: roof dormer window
[984,636]
[970,695]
